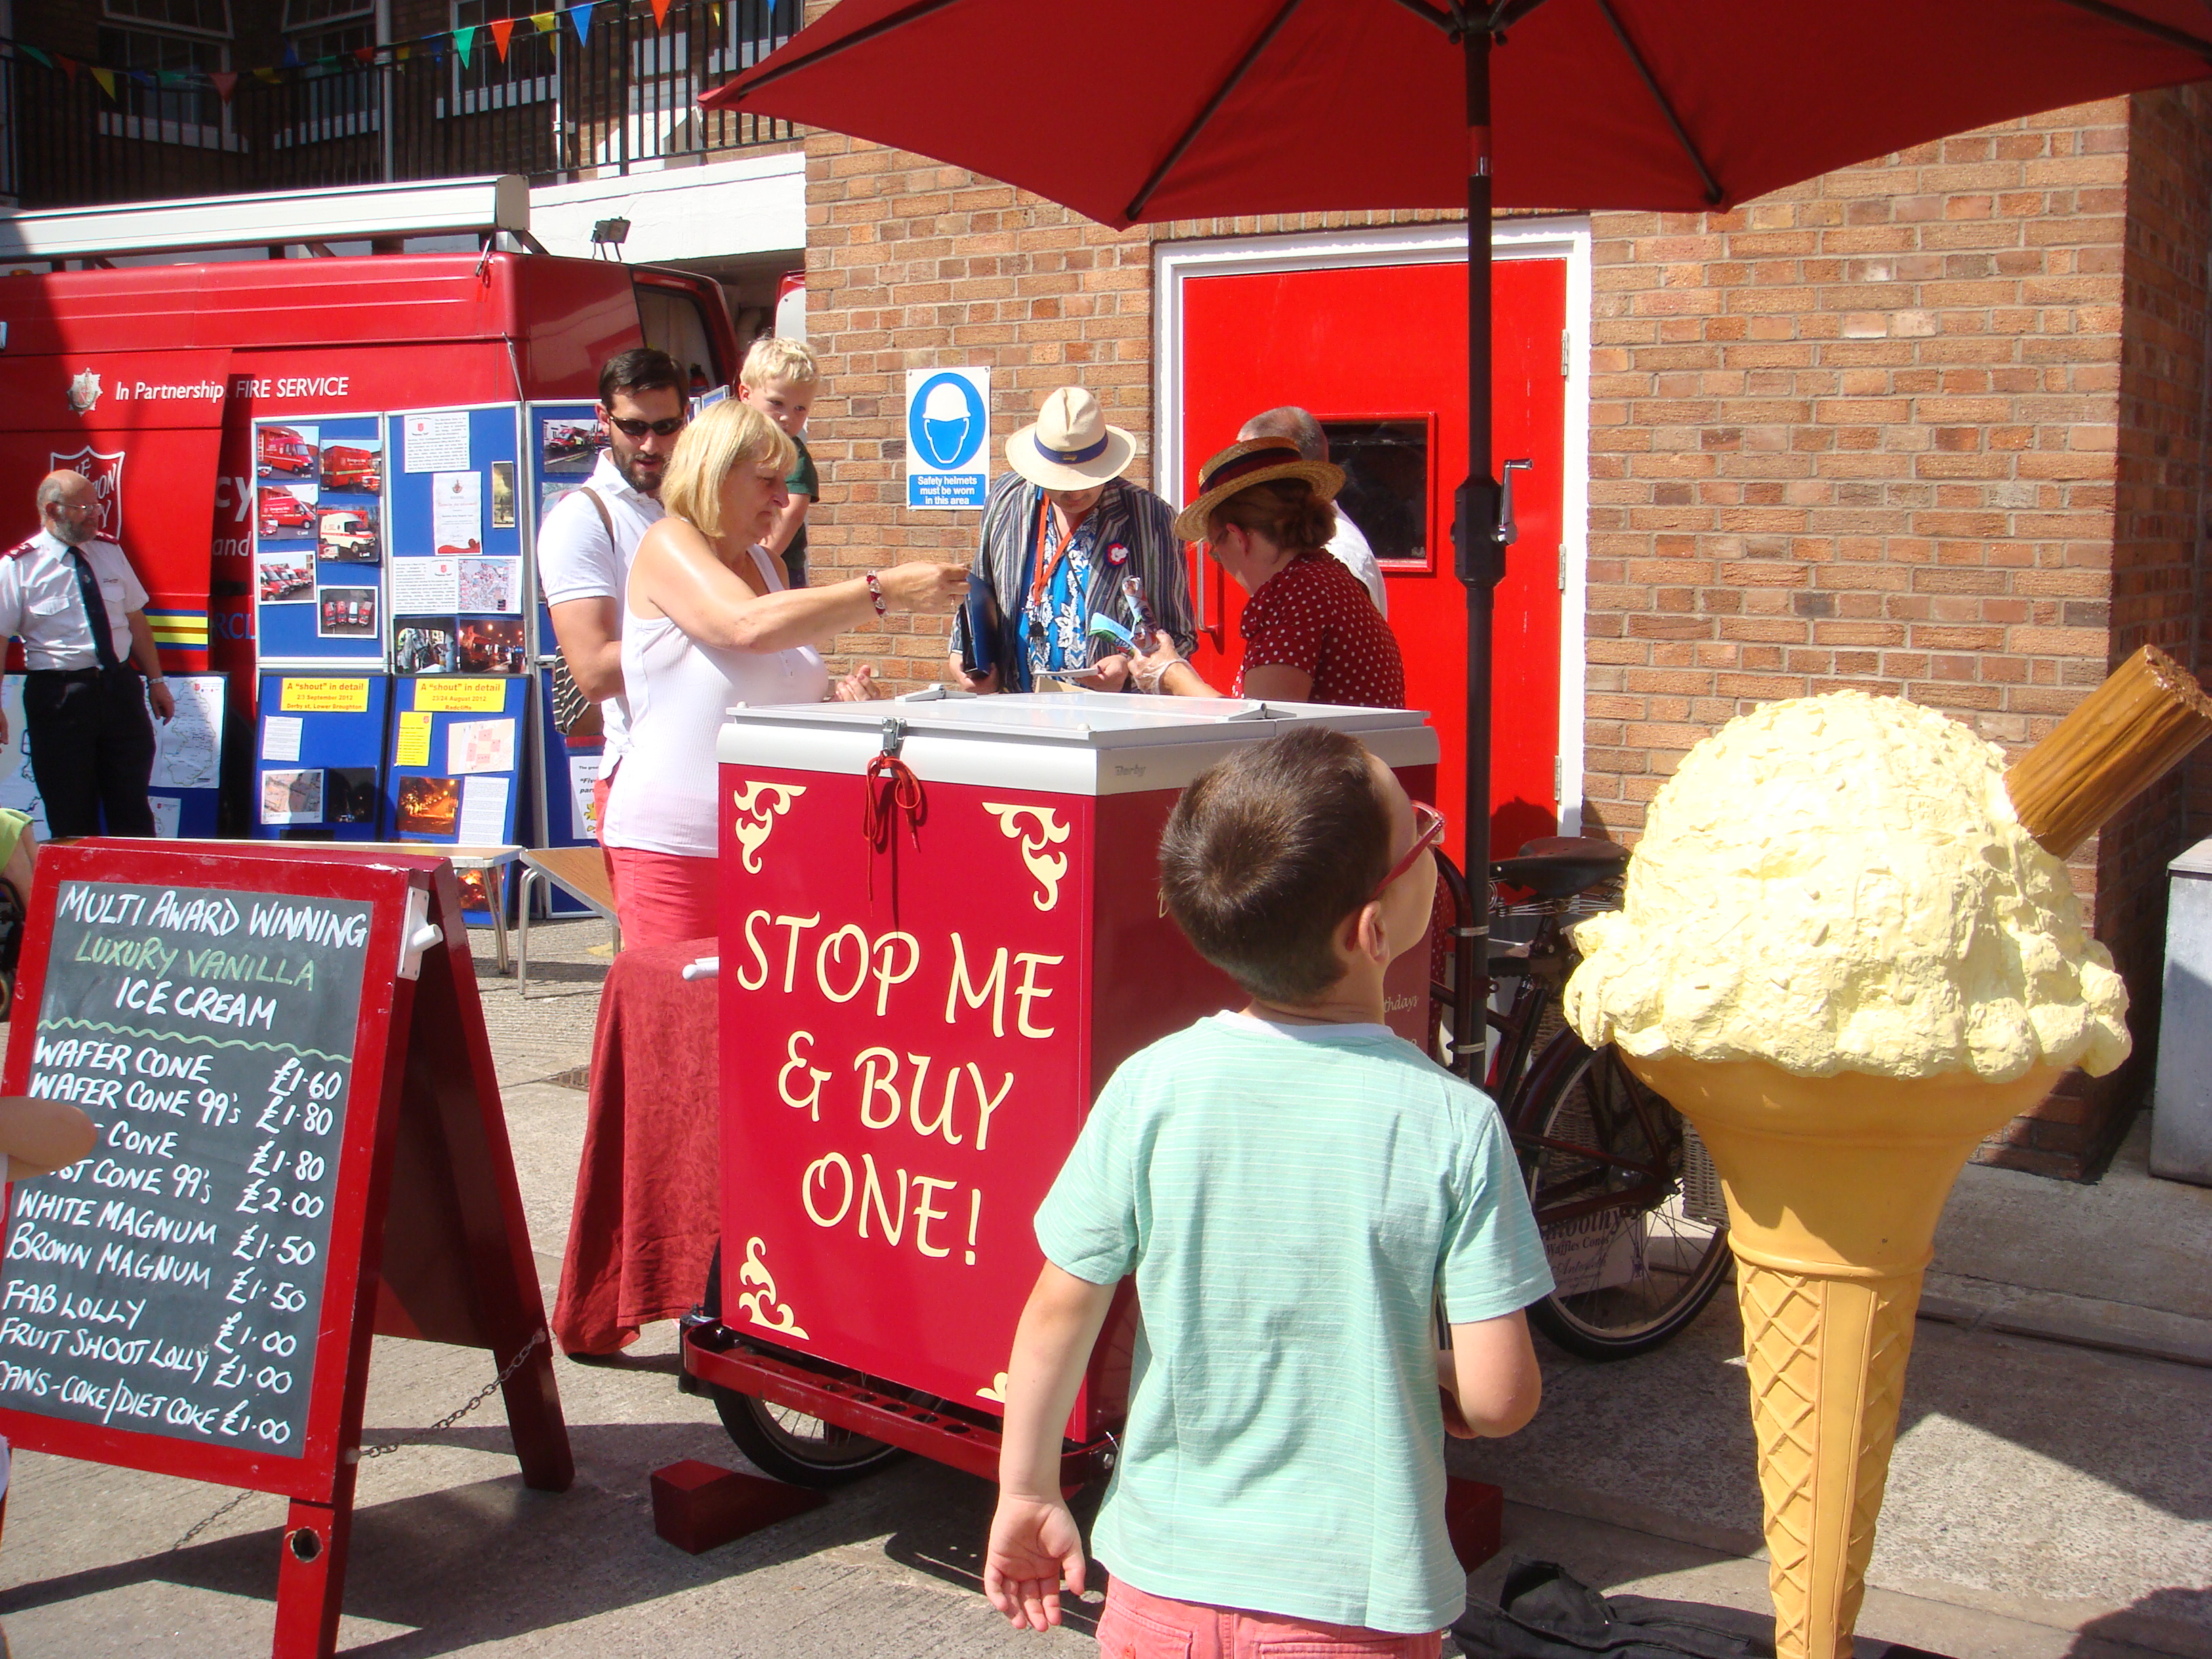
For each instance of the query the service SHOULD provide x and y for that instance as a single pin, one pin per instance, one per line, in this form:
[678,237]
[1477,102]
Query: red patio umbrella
[1136,110]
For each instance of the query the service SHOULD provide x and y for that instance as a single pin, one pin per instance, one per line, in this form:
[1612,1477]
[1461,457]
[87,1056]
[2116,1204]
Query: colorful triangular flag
[580,16]
[36,56]
[717,11]
[106,79]
[364,54]
[401,53]
[69,67]
[660,14]
[226,82]
[268,75]
[547,22]
[141,76]
[503,32]
[464,40]
[290,59]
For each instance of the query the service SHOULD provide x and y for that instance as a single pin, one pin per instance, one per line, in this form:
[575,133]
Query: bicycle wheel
[1627,1199]
[782,1441]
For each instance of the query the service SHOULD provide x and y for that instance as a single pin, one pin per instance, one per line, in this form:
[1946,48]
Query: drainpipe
[385,109]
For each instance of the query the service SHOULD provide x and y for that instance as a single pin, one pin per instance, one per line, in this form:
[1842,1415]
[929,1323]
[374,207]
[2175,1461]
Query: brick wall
[1931,427]
[910,264]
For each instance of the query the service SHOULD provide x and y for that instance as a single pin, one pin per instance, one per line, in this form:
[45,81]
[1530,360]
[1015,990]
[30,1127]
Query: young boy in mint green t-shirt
[1294,1186]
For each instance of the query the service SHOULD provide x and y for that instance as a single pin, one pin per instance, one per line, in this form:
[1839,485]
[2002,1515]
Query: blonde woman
[708,622]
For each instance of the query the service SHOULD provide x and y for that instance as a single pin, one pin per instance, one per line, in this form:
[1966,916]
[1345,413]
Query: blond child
[779,378]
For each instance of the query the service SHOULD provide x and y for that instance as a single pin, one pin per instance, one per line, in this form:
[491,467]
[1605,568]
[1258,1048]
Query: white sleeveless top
[663,796]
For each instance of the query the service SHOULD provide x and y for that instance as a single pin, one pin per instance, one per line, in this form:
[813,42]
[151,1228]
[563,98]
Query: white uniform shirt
[1349,545]
[40,600]
[576,561]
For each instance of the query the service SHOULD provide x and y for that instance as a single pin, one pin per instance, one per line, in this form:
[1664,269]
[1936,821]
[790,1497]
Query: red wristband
[876,593]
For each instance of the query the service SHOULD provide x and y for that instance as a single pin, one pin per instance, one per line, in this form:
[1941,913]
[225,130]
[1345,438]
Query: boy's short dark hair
[1268,851]
[641,368]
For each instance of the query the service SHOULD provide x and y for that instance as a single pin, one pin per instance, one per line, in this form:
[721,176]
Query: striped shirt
[1129,518]
[1292,1200]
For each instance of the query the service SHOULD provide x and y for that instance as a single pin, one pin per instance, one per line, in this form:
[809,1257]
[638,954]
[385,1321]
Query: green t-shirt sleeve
[1493,1257]
[1087,1225]
[803,480]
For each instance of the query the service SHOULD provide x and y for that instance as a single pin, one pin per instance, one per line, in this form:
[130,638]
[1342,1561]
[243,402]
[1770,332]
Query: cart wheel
[785,1443]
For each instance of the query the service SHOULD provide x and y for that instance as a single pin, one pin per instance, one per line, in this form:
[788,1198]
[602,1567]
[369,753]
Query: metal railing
[553,106]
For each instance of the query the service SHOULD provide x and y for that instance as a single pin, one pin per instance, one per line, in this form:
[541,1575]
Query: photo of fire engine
[430,807]
[489,644]
[570,445]
[286,579]
[356,466]
[284,511]
[421,645]
[347,534]
[287,451]
[347,613]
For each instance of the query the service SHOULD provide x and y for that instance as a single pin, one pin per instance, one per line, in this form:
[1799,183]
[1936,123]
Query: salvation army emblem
[84,392]
[104,473]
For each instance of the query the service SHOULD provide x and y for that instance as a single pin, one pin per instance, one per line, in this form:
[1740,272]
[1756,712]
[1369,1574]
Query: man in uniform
[587,542]
[81,616]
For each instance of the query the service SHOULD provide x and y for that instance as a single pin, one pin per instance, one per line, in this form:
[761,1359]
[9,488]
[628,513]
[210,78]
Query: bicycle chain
[368,1452]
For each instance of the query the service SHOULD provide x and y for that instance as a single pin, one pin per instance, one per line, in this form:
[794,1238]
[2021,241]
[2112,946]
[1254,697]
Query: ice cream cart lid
[1082,743]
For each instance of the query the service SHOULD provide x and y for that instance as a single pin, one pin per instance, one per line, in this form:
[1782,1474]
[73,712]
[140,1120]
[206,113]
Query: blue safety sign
[948,437]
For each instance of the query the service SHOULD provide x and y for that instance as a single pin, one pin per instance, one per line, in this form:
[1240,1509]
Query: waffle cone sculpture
[1834,1187]
[1848,966]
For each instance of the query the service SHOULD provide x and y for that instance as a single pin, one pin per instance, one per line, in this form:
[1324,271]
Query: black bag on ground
[1542,1613]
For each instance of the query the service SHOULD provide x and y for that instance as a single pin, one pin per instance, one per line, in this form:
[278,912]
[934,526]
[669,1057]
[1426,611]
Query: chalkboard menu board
[171,1282]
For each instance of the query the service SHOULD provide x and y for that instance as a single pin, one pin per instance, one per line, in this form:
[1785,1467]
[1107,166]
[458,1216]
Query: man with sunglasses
[587,542]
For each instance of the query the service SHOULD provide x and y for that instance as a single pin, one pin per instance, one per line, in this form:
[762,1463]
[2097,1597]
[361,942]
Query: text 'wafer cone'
[1834,1187]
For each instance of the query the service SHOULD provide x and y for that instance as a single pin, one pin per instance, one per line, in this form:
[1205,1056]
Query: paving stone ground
[2046,1498]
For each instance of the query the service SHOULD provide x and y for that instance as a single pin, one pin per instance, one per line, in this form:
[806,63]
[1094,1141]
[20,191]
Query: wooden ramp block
[697,1506]
[1474,1515]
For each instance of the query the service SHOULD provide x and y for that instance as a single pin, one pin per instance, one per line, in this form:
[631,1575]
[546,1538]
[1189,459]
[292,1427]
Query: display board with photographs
[566,443]
[187,786]
[458,747]
[319,540]
[318,757]
[456,566]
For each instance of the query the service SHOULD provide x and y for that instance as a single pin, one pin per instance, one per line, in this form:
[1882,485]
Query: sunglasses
[639,428]
[1428,831]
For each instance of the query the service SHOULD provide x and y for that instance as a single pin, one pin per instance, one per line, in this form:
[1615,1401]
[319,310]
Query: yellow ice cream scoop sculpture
[1848,952]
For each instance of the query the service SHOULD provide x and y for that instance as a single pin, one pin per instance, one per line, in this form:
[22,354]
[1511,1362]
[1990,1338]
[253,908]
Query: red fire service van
[155,380]
[280,510]
[345,467]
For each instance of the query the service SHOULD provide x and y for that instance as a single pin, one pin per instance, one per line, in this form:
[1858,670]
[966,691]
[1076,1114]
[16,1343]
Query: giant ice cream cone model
[1847,958]
[1834,1187]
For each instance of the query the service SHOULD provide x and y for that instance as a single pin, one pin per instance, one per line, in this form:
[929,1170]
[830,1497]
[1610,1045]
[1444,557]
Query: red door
[1379,353]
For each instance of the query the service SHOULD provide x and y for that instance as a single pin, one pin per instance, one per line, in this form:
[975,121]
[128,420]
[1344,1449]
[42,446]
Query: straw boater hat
[1069,445]
[1240,466]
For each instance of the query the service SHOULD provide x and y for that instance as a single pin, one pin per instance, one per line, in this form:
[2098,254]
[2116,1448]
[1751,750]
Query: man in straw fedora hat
[1311,633]
[1061,531]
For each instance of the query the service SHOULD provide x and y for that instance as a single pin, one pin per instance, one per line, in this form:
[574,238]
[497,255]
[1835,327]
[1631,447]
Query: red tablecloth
[647,1208]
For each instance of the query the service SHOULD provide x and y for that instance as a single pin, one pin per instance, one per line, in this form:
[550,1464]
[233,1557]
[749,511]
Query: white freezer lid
[1080,743]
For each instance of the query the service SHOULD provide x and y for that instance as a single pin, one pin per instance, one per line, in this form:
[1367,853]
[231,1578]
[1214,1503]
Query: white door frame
[1566,238]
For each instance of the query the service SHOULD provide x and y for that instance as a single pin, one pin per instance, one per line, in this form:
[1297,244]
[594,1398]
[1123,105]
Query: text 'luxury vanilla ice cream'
[1840,883]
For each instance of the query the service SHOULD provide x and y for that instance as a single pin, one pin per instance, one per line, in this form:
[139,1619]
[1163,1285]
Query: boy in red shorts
[1294,1188]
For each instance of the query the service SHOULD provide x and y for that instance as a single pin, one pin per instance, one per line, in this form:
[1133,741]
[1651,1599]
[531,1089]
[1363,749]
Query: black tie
[96,610]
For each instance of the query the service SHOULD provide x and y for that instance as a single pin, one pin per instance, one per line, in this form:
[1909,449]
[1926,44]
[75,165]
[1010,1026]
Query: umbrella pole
[1481,556]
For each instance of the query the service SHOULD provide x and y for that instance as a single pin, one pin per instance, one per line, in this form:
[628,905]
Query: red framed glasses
[1428,831]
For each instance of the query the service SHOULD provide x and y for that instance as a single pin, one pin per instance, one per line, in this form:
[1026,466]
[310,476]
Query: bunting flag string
[462,40]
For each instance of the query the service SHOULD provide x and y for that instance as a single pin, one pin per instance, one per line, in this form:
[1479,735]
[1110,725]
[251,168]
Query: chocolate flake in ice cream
[1840,884]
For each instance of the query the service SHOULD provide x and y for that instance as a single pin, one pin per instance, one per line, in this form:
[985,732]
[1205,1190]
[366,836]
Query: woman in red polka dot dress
[1311,632]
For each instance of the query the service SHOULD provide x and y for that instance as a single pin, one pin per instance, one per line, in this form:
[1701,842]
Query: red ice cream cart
[928,974]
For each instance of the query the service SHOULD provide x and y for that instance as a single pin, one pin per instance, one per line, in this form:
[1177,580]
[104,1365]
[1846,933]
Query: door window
[1386,483]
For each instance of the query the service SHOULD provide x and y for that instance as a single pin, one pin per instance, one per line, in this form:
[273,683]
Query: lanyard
[1047,568]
